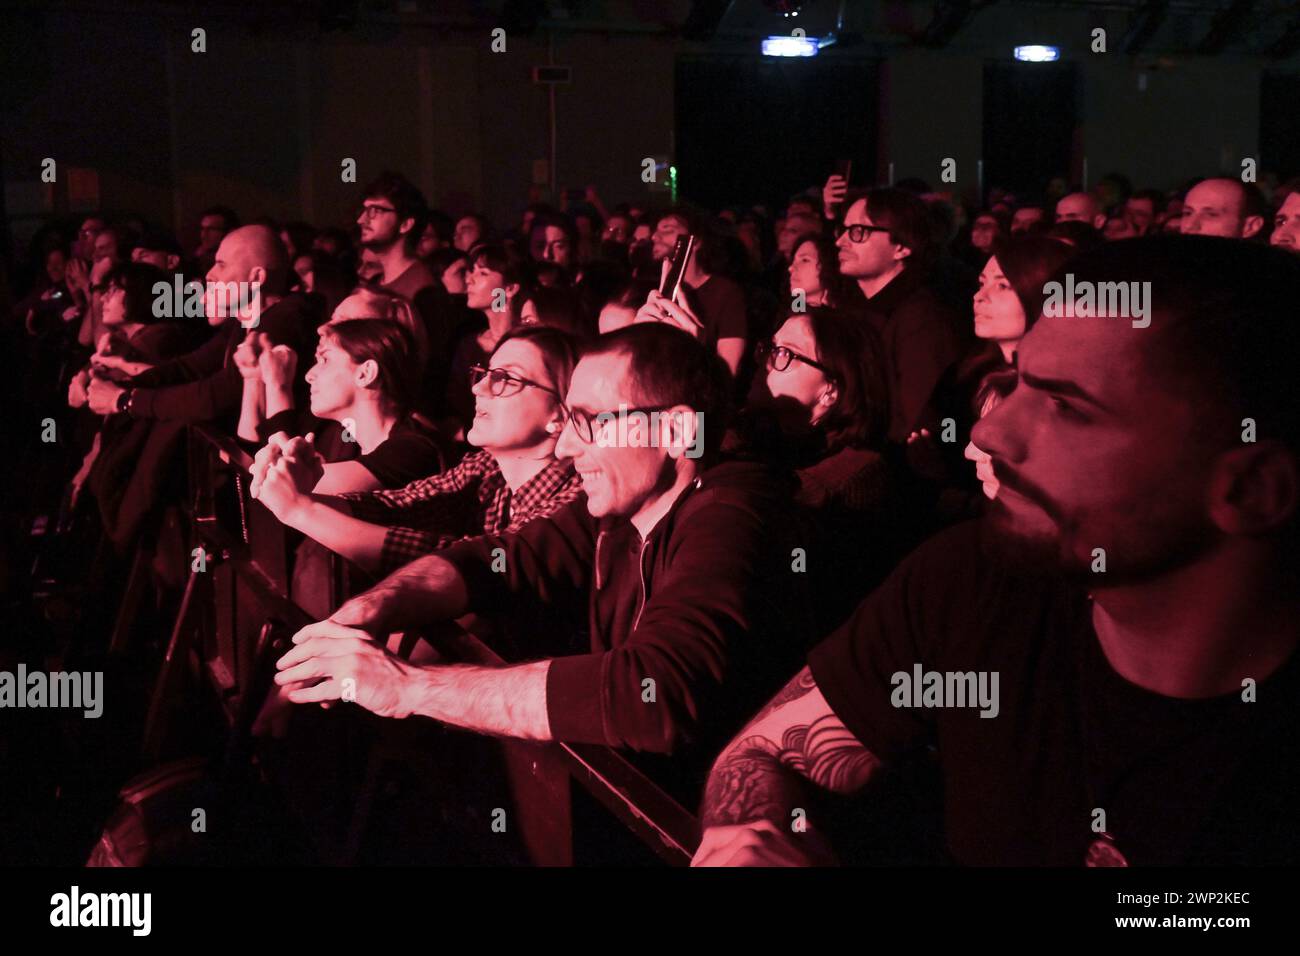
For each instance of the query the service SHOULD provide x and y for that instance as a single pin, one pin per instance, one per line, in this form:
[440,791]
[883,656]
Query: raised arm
[756,785]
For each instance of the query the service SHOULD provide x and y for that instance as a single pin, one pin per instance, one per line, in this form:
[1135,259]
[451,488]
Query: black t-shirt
[411,451]
[1180,781]
[720,305]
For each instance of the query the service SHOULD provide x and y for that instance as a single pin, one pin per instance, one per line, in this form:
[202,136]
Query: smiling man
[681,570]
[1133,587]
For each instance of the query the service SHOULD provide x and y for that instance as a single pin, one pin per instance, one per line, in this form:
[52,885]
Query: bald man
[245,290]
[1081,207]
[1222,207]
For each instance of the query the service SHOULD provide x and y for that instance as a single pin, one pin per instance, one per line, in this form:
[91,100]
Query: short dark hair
[392,348]
[405,198]
[500,258]
[669,367]
[903,213]
[137,280]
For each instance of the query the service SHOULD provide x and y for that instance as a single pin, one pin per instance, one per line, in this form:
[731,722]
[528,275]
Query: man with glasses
[391,220]
[682,569]
[883,245]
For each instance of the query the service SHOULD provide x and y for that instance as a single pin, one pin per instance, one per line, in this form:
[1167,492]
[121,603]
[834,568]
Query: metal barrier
[236,618]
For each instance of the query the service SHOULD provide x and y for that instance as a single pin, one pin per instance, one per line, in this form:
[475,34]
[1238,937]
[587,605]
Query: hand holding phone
[671,282]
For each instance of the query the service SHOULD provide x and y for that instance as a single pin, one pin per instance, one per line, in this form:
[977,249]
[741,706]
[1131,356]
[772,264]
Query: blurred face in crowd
[618,229]
[666,233]
[468,234]
[381,227]
[621,481]
[875,256]
[1089,456]
[516,419]
[1286,224]
[84,247]
[56,264]
[306,274]
[1118,227]
[550,244]
[1078,207]
[800,383]
[983,232]
[211,230]
[795,225]
[1141,212]
[105,247]
[428,243]
[805,273]
[1214,208]
[453,277]
[1022,220]
[113,306]
[335,379]
[641,233]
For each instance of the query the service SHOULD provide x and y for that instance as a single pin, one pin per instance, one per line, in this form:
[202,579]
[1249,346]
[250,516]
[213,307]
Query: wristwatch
[124,399]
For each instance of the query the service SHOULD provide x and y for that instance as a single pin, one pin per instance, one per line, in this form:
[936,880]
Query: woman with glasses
[513,478]
[821,409]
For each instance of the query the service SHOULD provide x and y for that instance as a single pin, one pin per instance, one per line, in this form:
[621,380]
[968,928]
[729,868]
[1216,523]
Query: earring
[552,427]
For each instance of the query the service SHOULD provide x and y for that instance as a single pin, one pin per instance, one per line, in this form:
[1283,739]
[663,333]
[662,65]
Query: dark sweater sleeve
[200,401]
[192,366]
[687,640]
[550,559]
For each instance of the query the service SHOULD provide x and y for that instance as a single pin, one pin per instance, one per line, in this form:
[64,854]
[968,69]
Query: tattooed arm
[757,782]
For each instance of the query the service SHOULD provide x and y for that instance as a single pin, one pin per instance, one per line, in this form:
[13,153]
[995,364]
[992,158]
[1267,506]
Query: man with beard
[1130,600]
[391,222]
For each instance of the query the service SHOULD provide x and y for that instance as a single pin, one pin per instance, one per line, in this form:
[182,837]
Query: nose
[1000,434]
[568,445]
[481,387]
[311,375]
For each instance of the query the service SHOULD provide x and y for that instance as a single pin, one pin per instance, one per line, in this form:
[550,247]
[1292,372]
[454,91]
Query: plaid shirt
[469,500]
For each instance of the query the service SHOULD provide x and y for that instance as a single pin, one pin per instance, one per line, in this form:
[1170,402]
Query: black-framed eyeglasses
[502,383]
[778,358]
[583,422]
[859,232]
[370,212]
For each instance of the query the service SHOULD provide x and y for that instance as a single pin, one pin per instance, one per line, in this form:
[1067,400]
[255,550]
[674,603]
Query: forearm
[503,701]
[428,589]
[796,737]
[252,410]
[324,519]
[750,782]
[279,398]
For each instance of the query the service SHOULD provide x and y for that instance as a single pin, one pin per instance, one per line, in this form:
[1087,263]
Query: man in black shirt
[1106,663]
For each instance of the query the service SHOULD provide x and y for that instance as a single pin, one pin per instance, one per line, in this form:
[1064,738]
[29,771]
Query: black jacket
[711,606]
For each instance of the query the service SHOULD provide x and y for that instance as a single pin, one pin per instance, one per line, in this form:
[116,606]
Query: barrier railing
[236,617]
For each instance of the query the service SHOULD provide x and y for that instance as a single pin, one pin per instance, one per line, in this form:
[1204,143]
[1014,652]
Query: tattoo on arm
[795,737]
